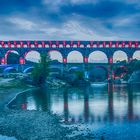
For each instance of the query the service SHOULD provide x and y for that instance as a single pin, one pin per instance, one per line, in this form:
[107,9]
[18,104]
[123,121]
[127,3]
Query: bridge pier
[64,64]
[110,70]
[21,60]
[3,61]
[85,67]
[130,59]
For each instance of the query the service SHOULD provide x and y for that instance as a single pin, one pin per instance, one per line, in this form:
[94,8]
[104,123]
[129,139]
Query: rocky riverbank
[9,88]
[29,125]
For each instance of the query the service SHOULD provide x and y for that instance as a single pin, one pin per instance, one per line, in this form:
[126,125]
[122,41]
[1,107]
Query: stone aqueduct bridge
[65,47]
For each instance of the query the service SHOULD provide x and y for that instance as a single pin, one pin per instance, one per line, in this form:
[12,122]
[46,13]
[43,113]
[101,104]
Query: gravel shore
[30,125]
[26,125]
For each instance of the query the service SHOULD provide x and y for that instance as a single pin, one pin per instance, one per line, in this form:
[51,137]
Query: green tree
[41,70]
[80,75]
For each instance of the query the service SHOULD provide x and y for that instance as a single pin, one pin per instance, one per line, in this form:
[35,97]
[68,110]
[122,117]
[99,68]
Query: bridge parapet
[69,44]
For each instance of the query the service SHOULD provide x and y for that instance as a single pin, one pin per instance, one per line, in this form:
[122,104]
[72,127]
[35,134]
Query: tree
[41,70]
[80,75]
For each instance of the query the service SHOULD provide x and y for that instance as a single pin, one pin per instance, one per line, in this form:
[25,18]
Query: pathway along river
[110,111]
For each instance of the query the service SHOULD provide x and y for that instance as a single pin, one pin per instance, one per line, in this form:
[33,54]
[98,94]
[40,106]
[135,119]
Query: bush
[80,75]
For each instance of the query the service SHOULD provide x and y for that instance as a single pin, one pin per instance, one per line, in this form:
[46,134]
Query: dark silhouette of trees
[41,70]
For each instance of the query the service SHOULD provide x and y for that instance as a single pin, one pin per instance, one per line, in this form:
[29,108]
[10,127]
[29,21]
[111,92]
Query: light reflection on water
[105,108]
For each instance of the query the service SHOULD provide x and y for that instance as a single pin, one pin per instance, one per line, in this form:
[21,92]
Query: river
[110,111]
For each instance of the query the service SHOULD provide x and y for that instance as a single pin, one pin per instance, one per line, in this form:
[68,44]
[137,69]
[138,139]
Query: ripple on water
[7,138]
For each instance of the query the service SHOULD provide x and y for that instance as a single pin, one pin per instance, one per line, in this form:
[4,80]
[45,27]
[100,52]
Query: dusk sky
[70,19]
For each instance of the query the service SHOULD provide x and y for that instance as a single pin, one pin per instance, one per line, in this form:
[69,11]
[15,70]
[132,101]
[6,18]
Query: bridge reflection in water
[85,105]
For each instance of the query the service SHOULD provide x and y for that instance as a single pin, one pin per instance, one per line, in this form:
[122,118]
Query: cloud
[102,9]
[70,19]
[22,23]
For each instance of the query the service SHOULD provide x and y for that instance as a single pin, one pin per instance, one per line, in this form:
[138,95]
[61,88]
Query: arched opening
[98,74]
[75,57]
[97,57]
[32,57]
[28,70]
[136,55]
[10,70]
[55,56]
[119,56]
[12,57]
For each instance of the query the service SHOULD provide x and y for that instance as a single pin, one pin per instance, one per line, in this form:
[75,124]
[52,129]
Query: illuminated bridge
[67,48]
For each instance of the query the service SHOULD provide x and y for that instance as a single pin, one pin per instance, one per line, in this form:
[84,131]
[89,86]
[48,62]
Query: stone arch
[97,57]
[75,57]
[10,70]
[28,70]
[136,55]
[32,56]
[12,57]
[55,55]
[119,56]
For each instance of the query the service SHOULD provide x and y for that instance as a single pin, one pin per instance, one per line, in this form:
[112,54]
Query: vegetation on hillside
[128,68]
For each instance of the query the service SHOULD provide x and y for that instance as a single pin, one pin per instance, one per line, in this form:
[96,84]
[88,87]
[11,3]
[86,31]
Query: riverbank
[29,125]
[9,88]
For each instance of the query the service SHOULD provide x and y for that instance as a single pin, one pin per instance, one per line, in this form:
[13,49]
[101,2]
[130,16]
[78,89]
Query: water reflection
[85,105]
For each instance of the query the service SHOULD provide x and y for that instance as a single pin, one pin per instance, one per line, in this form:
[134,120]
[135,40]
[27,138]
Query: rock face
[134,78]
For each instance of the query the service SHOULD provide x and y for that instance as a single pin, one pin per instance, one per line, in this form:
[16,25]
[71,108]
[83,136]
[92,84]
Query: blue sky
[70,19]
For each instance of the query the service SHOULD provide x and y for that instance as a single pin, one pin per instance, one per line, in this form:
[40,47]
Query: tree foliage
[80,75]
[134,65]
[41,70]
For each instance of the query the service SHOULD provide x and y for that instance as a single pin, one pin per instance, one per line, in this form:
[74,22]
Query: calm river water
[110,111]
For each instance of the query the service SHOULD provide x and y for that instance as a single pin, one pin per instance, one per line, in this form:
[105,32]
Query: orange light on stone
[123,44]
[78,43]
[9,44]
[64,60]
[91,43]
[130,44]
[22,60]
[43,44]
[117,44]
[111,60]
[110,44]
[136,44]
[86,60]
[2,61]
[24,106]
[104,44]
